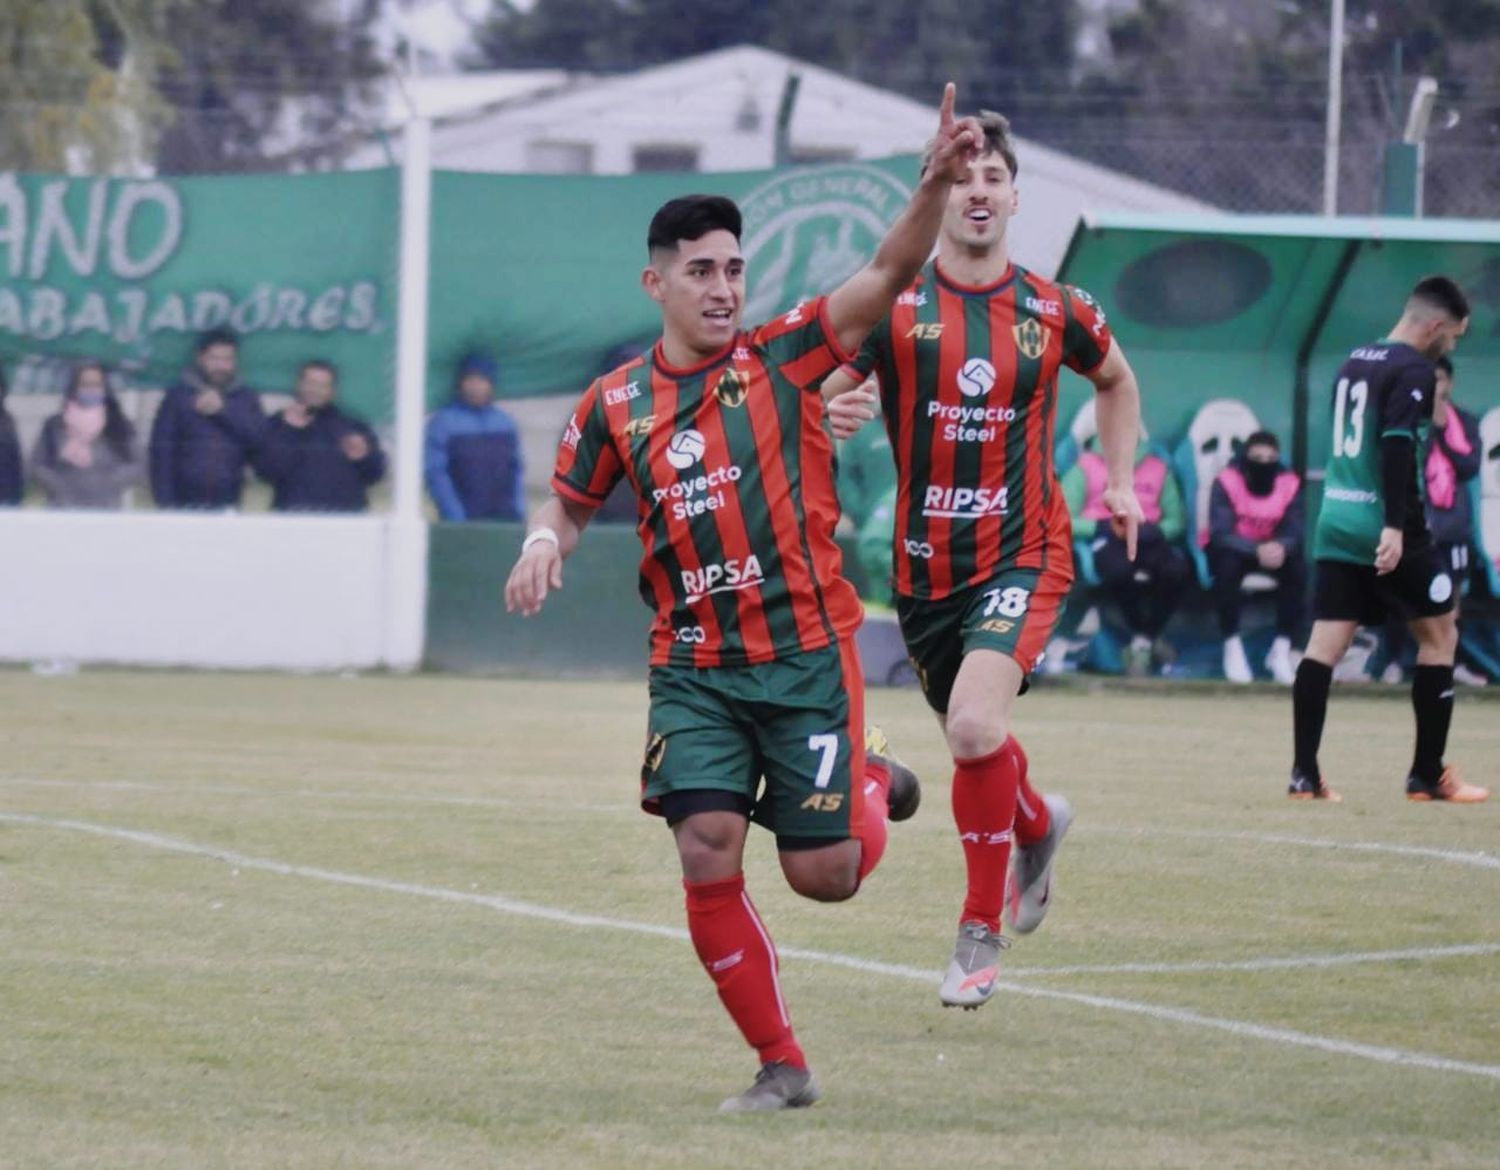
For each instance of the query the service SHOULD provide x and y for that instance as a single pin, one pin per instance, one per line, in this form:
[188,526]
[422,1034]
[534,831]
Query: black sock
[1432,700]
[1309,707]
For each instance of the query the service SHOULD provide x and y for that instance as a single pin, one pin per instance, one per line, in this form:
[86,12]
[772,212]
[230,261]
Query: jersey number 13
[1349,418]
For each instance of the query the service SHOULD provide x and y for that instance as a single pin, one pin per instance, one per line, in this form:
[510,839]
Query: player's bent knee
[973,732]
[828,874]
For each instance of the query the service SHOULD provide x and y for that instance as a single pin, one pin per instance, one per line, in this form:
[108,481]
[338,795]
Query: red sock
[984,808]
[737,952]
[1032,818]
[875,829]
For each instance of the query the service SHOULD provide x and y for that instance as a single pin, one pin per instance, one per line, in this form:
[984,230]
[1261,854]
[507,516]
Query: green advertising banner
[127,270]
[543,272]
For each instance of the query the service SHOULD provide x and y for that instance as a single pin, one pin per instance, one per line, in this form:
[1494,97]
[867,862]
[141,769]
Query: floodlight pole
[406,546]
[1335,109]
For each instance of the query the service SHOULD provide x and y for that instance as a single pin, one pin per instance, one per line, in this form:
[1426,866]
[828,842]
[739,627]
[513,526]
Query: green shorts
[1013,612]
[796,723]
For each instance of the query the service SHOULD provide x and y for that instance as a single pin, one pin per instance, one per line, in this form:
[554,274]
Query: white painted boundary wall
[211,590]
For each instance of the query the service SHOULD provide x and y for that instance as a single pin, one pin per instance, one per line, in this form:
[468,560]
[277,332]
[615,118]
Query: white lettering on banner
[53,223]
[731,576]
[129,232]
[45,313]
[963,503]
[56,239]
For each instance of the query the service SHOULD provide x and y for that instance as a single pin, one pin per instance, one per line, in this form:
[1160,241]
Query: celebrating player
[753,668]
[967,363]
[1373,550]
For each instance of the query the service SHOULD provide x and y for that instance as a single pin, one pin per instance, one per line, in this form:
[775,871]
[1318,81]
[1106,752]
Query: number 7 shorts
[1013,612]
[798,722]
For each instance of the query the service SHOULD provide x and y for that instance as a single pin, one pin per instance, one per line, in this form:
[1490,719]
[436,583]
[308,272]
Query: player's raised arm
[1118,411]
[860,302]
[551,536]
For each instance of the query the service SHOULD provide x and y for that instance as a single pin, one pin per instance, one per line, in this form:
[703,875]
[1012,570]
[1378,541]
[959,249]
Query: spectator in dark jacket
[1256,525]
[316,457]
[85,456]
[207,430]
[473,451]
[10,453]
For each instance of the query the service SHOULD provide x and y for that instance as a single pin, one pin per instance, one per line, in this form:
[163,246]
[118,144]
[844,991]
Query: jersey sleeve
[871,353]
[802,343]
[588,464]
[1086,334]
[1408,400]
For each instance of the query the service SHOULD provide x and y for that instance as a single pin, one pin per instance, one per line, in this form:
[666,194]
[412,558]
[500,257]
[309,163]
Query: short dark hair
[1263,439]
[1442,292]
[691,217]
[319,364]
[997,140]
[1444,364]
[213,337]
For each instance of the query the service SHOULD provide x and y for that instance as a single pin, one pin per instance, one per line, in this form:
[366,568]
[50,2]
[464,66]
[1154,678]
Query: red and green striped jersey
[968,387]
[733,475]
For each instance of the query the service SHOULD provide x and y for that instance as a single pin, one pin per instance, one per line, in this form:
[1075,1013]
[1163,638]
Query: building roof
[720,109]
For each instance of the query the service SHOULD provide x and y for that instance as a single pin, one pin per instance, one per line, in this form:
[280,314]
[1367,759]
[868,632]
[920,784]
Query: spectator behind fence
[1256,525]
[315,456]
[10,453]
[1147,589]
[1454,457]
[473,457]
[207,429]
[85,456]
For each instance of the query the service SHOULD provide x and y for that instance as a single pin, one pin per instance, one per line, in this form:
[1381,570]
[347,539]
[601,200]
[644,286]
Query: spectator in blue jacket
[473,456]
[316,457]
[207,430]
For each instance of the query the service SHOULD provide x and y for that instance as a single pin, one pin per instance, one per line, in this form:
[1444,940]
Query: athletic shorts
[1420,586]
[1013,612]
[781,741]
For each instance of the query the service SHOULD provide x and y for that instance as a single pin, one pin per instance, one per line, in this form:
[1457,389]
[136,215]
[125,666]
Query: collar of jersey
[659,356]
[972,289]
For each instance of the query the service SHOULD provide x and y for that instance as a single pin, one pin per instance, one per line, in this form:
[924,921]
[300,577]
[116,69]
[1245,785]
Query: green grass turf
[169,1010]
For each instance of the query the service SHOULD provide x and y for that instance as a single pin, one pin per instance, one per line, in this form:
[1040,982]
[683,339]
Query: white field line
[1288,963]
[1426,852]
[513,906]
[1471,858]
[624,808]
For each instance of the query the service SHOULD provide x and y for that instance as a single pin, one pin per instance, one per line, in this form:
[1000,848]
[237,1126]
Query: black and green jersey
[1382,389]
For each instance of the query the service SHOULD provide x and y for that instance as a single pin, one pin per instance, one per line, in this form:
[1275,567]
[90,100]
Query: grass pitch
[255,921]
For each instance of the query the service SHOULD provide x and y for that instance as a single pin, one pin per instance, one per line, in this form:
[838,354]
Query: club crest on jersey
[1031,337]
[732,388]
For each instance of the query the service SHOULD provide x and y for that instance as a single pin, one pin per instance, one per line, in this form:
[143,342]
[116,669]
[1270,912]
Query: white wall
[213,590]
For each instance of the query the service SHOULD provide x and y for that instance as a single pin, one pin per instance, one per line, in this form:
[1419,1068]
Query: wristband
[540,535]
